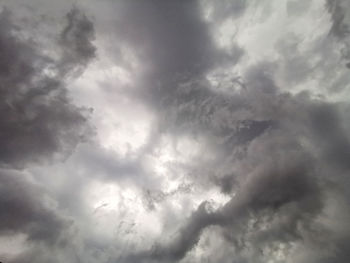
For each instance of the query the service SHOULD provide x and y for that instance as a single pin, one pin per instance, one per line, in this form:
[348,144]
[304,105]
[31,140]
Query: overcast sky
[163,131]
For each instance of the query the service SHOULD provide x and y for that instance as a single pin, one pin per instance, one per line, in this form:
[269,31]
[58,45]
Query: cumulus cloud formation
[219,131]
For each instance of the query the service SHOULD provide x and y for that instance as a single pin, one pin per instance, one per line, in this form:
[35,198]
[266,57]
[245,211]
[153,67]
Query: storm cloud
[175,131]
[38,118]
[39,123]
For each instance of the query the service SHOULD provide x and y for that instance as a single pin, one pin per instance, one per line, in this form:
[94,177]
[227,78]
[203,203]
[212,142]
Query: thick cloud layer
[221,131]
[39,123]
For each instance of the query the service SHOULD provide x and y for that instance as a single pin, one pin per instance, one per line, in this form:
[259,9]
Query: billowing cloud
[39,122]
[22,210]
[220,131]
[38,118]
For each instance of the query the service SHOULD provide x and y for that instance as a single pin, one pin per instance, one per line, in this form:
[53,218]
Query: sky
[163,131]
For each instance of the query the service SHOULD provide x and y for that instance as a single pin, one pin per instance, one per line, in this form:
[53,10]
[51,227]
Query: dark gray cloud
[172,38]
[37,116]
[22,210]
[339,28]
[39,123]
[172,42]
[76,39]
[339,11]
